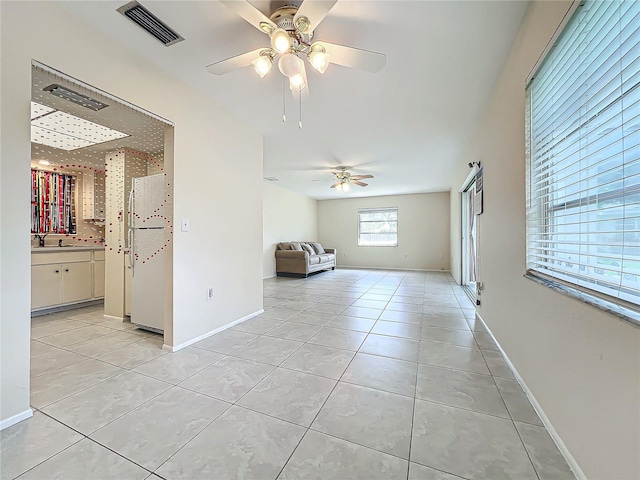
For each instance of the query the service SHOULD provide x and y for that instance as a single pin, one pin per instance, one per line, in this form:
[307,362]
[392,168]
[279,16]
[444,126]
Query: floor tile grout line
[524,446]
[84,437]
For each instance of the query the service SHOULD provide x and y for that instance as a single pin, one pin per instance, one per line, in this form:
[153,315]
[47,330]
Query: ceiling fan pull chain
[284,99]
[300,111]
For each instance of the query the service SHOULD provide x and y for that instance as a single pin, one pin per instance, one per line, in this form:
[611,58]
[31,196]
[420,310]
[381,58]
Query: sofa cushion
[317,247]
[308,248]
[327,257]
[314,259]
[295,246]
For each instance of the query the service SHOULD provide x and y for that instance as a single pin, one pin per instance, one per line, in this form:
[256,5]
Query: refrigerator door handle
[131,253]
[130,206]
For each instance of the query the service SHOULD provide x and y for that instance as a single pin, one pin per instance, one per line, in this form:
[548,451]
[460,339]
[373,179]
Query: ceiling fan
[290,29]
[345,179]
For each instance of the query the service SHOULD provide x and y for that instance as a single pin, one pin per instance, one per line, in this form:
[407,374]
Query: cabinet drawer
[62,257]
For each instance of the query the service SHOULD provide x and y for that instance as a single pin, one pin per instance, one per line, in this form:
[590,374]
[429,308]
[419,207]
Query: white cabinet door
[98,279]
[76,282]
[45,285]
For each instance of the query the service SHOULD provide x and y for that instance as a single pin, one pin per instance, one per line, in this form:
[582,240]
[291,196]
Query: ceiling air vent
[272,179]
[150,23]
[75,97]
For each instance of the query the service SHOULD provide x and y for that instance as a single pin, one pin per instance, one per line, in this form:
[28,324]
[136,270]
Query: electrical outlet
[210,293]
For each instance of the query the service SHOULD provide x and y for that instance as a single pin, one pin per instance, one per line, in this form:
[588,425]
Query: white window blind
[583,154]
[378,227]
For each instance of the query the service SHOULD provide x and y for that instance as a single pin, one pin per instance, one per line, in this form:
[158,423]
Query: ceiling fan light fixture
[296,83]
[290,65]
[280,40]
[319,58]
[345,187]
[339,187]
[263,63]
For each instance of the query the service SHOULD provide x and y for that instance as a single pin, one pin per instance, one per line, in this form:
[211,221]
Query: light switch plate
[185,225]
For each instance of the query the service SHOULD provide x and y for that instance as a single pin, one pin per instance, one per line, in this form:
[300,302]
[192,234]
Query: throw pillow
[308,249]
[284,246]
[318,248]
[295,246]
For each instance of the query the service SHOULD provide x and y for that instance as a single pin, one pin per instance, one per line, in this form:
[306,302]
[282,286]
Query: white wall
[287,216]
[423,231]
[207,139]
[582,365]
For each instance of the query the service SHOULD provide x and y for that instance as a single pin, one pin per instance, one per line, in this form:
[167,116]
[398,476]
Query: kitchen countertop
[66,249]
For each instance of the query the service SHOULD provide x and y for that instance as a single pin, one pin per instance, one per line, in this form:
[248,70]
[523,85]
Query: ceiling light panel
[38,110]
[43,136]
[82,132]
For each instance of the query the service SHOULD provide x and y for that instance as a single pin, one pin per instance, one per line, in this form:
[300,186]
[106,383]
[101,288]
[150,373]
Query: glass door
[469,265]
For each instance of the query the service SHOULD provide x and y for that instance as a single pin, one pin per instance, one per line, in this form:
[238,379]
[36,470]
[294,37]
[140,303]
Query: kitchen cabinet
[93,195]
[98,279]
[46,286]
[66,277]
[75,286]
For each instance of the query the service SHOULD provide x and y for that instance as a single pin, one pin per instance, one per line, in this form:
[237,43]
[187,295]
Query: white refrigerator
[147,246]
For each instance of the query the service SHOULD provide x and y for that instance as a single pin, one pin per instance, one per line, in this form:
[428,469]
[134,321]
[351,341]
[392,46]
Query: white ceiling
[407,125]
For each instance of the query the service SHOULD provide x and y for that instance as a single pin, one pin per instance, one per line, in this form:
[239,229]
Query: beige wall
[207,139]
[287,216]
[423,231]
[582,365]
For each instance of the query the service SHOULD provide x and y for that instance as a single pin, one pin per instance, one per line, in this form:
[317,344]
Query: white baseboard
[113,317]
[175,348]
[397,269]
[573,465]
[7,422]
[270,276]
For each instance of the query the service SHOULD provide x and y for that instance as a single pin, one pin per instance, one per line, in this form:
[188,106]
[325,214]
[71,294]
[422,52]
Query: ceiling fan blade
[250,13]
[354,57]
[234,63]
[335,185]
[360,177]
[314,11]
[362,184]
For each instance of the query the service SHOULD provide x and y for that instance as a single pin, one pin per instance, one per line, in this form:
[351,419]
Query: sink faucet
[40,239]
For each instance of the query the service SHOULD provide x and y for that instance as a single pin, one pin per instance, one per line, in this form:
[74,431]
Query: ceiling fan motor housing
[283,18]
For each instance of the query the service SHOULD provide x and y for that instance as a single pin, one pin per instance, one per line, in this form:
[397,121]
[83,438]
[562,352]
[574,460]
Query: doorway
[88,147]
[469,241]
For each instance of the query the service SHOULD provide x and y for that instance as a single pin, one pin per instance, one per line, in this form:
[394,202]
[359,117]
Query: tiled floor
[347,374]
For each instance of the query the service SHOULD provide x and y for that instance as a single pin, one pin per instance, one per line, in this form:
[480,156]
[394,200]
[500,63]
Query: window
[52,203]
[378,227]
[583,155]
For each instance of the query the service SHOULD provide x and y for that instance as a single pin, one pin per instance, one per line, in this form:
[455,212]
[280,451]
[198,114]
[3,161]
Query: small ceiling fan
[290,29]
[345,179]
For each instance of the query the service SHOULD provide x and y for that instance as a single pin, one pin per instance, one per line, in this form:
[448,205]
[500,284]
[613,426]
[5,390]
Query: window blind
[583,154]
[378,227]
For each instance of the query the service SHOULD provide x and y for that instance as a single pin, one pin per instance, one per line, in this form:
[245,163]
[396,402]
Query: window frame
[542,223]
[372,210]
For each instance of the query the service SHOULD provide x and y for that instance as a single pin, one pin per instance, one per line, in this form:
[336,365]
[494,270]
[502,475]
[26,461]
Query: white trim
[573,465]
[467,180]
[270,276]
[395,268]
[112,317]
[7,422]
[172,349]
